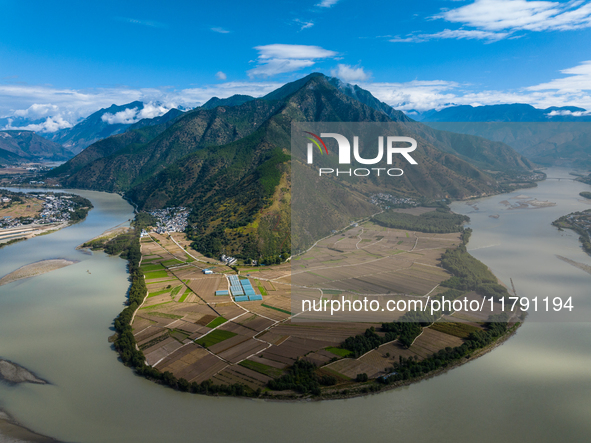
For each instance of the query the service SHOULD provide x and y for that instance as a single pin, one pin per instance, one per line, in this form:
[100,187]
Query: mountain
[195,129]
[549,143]
[29,146]
[9,158]
[504,113]
[234,100]
[232,165]
[140,133]
[100,125]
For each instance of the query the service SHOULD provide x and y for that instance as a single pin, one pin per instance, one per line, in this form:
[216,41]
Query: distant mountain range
[230,162]
[505,113]
[97,126]
[551,136]
[26,146]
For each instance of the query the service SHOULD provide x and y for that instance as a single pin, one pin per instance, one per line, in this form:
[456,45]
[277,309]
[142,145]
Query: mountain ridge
[231,165]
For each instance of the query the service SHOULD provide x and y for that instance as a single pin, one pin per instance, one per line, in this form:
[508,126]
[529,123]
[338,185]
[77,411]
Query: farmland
[209,343]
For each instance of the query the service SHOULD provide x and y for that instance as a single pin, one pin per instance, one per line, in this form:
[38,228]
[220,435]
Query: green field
[156,274]
[163,281]
[338,351]
[185,295]
[150,267]
[176,290]
[263,369]
[262,289]
[172,262]
[215,337]
[154,294]
[277,309]
[165,315]
[216,322]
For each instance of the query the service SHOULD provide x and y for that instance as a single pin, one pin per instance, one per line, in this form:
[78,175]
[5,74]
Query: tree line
[303,378]
[440,221]
[409,368]
[125,343]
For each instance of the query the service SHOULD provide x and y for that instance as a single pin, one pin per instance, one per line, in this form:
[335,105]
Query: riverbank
[34,269]
[9,236]
[104,237]
[12,432]
[462,361]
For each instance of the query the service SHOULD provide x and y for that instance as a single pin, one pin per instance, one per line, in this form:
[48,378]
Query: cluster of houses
[56,209]
[382,199]
[533,176]
[581,220]
[228,260]
[171,219]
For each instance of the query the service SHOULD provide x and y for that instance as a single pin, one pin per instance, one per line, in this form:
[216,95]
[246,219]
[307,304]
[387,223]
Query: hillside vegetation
[232,165]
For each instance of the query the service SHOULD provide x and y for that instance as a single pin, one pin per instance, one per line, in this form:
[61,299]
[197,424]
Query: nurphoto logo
[344,149]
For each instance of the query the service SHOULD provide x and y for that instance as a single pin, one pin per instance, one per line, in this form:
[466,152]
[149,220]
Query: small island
[13,373]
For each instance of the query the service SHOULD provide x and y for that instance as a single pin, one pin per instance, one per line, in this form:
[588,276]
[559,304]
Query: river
[535,387]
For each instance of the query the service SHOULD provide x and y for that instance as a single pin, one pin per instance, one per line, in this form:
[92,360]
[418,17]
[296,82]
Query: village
[54,209]
[170,219]
[387,200]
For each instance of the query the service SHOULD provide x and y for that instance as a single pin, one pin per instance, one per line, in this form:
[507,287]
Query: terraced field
[184,328]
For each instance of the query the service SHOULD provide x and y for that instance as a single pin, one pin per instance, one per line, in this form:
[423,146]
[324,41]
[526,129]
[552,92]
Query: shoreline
[12,431]
[477,354]
[34,232]
[107,235]
[26,232]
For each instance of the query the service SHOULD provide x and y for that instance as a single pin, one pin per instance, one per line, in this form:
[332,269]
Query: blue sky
[67,59]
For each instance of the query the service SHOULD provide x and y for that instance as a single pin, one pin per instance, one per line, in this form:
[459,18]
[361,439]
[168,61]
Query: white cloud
[327,3]
[278,66]
[127,117]
[498,19]
[303,24]
[279,58]
[497,15]
[220,30]
[419,95]
[36,111]
[51,124]
[221,75]
[439,94]
[133,115]
[349,73]
[570,113]
[293,51]
[458,34]
[578,80]
[67,106]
